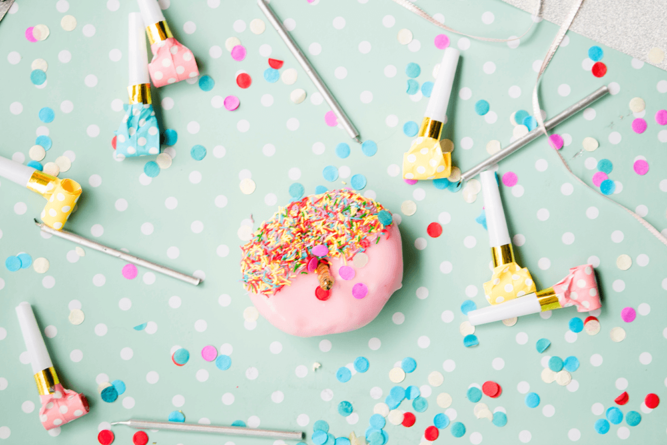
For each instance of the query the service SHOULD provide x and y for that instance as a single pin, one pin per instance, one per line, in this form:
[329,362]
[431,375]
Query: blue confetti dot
[369,148]
[46,115]
[341,441]
[377,421]
[633,418]
[458,429]
[420,404]
[44,141]
[331,439]
[181,356]
[413,87]
[520,115]
[595,53]
[576,324]
[140,327]
[571,364]
[342,150]
[176,416]
[391,402]
[468,306]
[532,400]
[170,137]
[36,165]
[470,340]
[385,217]
[427,88]
[499,418]
[614,415]
[206,83]
[481,219]
[529,122]
[361,363]
[482,107]
[13,263]
[370,430]
[410,128]
[223,362]
[605,165]
[412,392]
[441,421]
[296,190]
[38,77]
[343,374]
[240,423]
[271,75]
[120,386]
[320,437]
[413,70]
[321,425]
[474,394]
[26,260]
[330,173]
[320,189]
[607,187]
[441,183]
[109,394]
[408,364]
[151,169]
[601,426]
[358,182]
[198,152]
[376,438]
[345,408]
[556,363]
[542,345]
[397,393]
[454,187]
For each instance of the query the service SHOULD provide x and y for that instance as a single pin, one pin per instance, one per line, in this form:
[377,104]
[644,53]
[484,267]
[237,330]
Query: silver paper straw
[551,123]
[308,68]
[195,428]
[69,236]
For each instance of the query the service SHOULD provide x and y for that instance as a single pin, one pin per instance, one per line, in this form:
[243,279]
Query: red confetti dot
[275,63]
[431,433]
[409,419]
[622,399]
[105,437]
[321,294]
[590,318]
[490,388]
[140,438]
[243,80]
[434,230]
[599,69]
[652,401]
[113,142]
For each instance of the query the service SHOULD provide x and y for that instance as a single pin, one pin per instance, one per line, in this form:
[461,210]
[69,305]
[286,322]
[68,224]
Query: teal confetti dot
[26,260]
[391,402]
[321,425]
[206,83]
[320,189]
[571,364]
[330,173]
[576,324]
[470,340]
[343,374]
[468,306]
[341,441]
[601,426]
[120,386]
[109,394]
[223,362]
[482,107]
[44,141]
[633,418]
[361,364]
[409,364]
[140,327]
[441,183]
[420,404]
[151,169]
[342,150]
[36,165]
[532,400]
[441,421]
[595,53]
[271,75]
[176,416]
[320,437]
[520,115]
[331,439]
[46,115]
[181,356]
[385,217]
[345,408]
[614,415]
[358,182]
[38,77]
[529,122]
[458,429]
[605,165]
[397,393]
[369,148]
[412,87]
[410,128]
[239,423]
[499,419]
[474,394]
[296,190]
[481,219]
[542,345]
[556,363]
[427,88]
[13,263]
[377,421]
[607,187]
[454,187]
[413,70]
[198,152]
[376,438]
[170,137]
[412,392]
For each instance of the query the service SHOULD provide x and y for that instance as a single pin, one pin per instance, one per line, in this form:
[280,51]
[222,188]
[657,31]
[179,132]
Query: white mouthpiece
[525,305]
[15,172]
[150,11]
[493,207]
[442,89]
[138,54]
[39,356]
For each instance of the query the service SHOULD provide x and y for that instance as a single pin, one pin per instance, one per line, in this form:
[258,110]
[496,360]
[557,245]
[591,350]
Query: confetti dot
[231,103]
[639,125]
[474,394]
[628,314]
[359,291]
[458,429]
[468,306]
[661,117]
[151,169]
[641,167]
[576,324]
[243,80]
[633,418]
[369,148]
[410,128]
[46,115]
[595,53]
[330,119]
[38,77]
[614,415]
[413,70]
[342,150]
[238,53]
[345,409]
[343,374]
[206,83]
[198,152]
[441,41]
[499,419]
[607,187]
[652,401]
[599,69]
[271,75]
[434,230]
[542,345]
[105,437]
[556,141]
[532,400]
[140,438]
[412,87]
[601,426]
[510,179]
[482,107]
[361,364]
[358,182]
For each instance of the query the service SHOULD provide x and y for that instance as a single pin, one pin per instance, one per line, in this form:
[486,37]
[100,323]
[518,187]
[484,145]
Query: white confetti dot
[523,387]
[301,371]
[93,131]
[13,57]
[374,344]
[388,21]
[467,143]
[596,360]
[449,365]
[302,419]
[325,346]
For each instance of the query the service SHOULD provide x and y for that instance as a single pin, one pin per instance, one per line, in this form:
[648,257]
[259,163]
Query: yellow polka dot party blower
[426,159]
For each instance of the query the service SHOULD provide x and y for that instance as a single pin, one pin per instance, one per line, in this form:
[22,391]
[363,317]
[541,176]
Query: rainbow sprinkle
[342,220]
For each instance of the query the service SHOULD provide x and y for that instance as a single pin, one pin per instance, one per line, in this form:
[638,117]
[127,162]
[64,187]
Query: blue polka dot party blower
[426,158]
[138,133]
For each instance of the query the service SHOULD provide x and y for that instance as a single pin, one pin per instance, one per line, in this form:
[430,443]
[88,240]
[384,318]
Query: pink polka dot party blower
[59,405]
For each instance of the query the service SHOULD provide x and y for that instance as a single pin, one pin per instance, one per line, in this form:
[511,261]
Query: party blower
[61,194]
[172,62]
[59,405]
[139,133]
[426,159]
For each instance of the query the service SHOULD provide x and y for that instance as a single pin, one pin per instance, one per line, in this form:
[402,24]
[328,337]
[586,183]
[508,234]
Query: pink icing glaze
[580,289]
[297,311]
[172,62]
[61,407]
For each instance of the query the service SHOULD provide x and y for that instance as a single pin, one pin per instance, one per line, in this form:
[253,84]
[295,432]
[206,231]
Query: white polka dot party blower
[426,159]
[59,405]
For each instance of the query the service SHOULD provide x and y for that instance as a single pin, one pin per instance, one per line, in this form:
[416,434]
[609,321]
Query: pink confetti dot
[347,273]
[441,41]
[330,119]
[320,250]
[410,181]
[232,103]
[510,179]
[130,271]
[359,291]
[209,353]
[641,167]
[628,314]
[661,117]
[29,35]
[599,178]
[639,125]
[312,264]
[556,141]
[238,53]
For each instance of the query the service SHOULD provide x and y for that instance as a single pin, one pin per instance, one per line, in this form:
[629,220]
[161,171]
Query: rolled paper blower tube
[442,88]
[495,214]
[137,50]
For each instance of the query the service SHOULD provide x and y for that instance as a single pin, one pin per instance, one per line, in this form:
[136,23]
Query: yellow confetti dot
[360,260]
[404,36]
[590,144]
[510,321]
[484,414]
[408,208]
[637,105]
[444,400]
[76,317]
[63,163]
[41,265]
[396,375]
[251,313]
[520,131]
[435,379]
[563,378]
[617,334]
[297,96]
[446,145]
[247,186]
[592,327]
[513,119]
[37,153]
[548,376]
[231,42]
[466,328]
[381,409]
[455,175]
[474,186]
[469,196]
[493,147]
[68,23]
[395,417]
[40,32]
[656,55]
[624,262]
[39,64]
[257,26]
[289,76]
[51,168]
[80,251]
[163,160]
[479,407]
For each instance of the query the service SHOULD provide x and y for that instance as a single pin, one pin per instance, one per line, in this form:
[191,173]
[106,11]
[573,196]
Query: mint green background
[74,281]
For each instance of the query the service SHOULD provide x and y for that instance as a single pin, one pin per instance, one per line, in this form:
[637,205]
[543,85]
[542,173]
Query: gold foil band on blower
[548,299]
[502,255]
[39,183]
[430,128]
[140,94]
[46,380]
[158,32]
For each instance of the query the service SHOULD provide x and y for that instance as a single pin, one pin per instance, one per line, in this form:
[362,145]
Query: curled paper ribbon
[172,62]
[425,160]
[138,134]
[61,407]
[580,289]
[508,282]
[61,195]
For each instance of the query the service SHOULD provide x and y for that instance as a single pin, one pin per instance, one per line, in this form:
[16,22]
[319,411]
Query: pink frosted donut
[361,244]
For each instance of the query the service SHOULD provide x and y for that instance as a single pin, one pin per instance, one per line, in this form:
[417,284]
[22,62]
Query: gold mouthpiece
[430,128]
[548,299]
[46,380]
[140,94]
[158,32]
[502,255]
